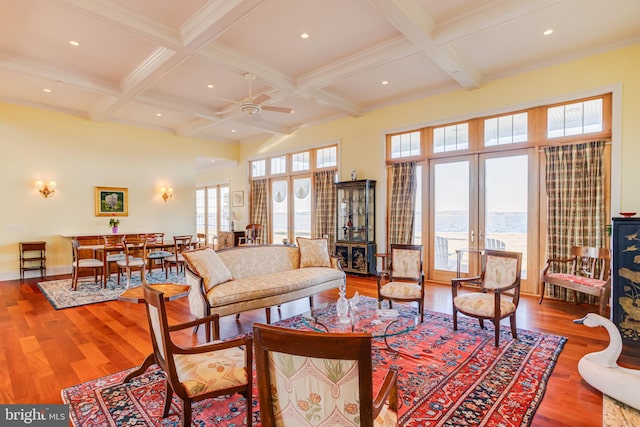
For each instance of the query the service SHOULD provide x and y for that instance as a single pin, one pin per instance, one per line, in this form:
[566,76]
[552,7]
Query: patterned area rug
[458,379]
[60,295]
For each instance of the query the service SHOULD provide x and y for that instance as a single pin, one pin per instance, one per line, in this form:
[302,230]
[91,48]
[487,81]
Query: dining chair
[327,377]
[496,291]
[135,250]
[156,253]
[252,235]
[82,261]
[113,252]
[180,244]
[404,280]
[202,371]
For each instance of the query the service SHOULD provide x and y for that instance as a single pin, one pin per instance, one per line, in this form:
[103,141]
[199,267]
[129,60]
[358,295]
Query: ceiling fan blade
[261,98]
[277,109]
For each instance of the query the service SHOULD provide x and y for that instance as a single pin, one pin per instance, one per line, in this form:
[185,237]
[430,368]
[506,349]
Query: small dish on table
[628,214]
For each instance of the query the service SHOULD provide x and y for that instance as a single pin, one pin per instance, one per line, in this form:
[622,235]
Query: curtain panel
[575,202]
[402,202]
[259,209]
[325,205]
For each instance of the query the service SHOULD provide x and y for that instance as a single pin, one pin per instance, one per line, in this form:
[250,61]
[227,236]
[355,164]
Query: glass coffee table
[367,318]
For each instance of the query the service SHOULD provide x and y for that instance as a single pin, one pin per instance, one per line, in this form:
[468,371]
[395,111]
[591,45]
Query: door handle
[480,237]
[472,236]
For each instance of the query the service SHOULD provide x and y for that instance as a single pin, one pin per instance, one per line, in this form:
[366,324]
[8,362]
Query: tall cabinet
[356,221]
[625,286]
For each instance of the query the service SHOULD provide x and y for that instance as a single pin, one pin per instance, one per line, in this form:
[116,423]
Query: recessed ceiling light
[233,131]
[210,86]
[548,32]
[385,82]
[74,43]
[46,90]
[304,36]
[159,114]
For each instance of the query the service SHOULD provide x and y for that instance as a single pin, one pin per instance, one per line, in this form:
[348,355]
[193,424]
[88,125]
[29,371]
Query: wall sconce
[46,189]
[167,193]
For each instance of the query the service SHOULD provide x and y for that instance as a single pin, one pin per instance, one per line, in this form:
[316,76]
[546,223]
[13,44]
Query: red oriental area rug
[457,379]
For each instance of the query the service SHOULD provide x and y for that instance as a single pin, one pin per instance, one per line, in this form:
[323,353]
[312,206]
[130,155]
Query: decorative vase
[342,305]
[114,230]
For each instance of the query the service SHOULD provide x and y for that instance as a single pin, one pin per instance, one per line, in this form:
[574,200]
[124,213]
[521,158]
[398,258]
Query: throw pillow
[314,252]
[208,265]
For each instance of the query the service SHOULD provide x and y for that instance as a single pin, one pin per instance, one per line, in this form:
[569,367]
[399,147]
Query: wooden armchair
[497,295]
[252,235]
[202,371]
[405,280]
[326,376]
[586,270]
[180,244]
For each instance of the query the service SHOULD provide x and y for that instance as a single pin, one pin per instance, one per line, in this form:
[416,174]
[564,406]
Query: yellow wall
[79,155]
[362,139]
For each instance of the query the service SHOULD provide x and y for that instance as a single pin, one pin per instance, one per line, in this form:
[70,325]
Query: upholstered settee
[244,278]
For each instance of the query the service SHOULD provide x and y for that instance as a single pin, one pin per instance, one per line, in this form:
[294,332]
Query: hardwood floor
[45,350]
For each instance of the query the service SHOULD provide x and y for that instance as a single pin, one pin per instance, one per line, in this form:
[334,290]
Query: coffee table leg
[148,361]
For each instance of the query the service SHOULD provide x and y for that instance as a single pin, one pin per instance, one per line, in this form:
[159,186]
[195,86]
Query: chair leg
[514,332]
[455,319]
[186,413]
[544,285]
[267,312]
[481,323]
[496,326]
[168,395]
[74,280]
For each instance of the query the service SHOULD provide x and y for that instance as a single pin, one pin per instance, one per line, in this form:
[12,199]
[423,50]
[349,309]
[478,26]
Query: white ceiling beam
[324,97]
[412,19]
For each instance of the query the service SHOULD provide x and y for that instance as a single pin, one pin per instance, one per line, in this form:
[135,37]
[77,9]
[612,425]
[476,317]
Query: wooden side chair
[135,251]
[82,261]
[587,270]
[252,235]
[200,372]
[404,281]
[496,293]
[113,252]
[180,244]
[155,255]
[326,376]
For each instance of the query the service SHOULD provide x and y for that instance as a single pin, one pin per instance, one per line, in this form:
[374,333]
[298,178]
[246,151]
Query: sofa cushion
[279,283]
[208,265]
[314,252]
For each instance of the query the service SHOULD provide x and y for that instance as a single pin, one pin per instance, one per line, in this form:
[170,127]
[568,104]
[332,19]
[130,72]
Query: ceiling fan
[251,105]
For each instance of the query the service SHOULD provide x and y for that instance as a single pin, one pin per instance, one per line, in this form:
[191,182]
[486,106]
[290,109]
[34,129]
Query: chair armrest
[245,340]
[458,281]
[180,326]
[550,262]
[388,392]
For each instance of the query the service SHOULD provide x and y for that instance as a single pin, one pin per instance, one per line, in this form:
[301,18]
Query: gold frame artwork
[108,205]
[237,199]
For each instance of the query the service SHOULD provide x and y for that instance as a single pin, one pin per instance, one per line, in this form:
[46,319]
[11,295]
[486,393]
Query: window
[278,165]
[405,145]
[212,210]
[575,119]
[327,157]
[258,168]
[451,138]
[300,162]
[508,129]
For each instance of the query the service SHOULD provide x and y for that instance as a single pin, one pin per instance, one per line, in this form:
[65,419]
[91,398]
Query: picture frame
[237,199]
[111,201]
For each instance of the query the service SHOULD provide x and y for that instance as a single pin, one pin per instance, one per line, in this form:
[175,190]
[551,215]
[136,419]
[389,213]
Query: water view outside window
[302,208]
[279,209]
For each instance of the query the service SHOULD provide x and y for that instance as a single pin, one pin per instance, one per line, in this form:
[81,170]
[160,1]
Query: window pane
[279,165]
[258,168]
[212,210]
[326,157]
[491,132]
[520,127]
[301,208]
[200,222]
[280,211]
[451,138]
[300,162]
[224,209]
[438,140]
[575,119]
[505,129]
[405,145]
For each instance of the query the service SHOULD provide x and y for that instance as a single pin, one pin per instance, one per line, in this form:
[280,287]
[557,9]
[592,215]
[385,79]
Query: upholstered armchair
[226,239]
[200,372]
[314,378]
[497,295]
[404,282]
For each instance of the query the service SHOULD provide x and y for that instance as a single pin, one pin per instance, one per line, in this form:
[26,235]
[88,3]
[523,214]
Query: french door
[477,202]
[291,208]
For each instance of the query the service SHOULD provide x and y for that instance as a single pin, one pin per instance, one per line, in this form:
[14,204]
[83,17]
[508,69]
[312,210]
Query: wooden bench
[588,272]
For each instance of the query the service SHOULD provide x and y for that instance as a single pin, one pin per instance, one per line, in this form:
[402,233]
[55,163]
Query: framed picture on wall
[237,199]
[111,201]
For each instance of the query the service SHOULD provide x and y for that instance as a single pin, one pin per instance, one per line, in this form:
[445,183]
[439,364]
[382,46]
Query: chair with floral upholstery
[200,372]
[404,281]
[497,294]
[313,378]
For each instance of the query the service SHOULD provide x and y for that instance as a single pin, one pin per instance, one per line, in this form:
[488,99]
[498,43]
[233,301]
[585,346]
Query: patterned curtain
[325,209]
[259,210]
[575,201]
[402,202]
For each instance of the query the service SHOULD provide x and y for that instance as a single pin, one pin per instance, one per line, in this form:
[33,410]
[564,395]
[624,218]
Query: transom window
[405,145]
[575,119]
[278,165]
[451,138]
[507,129]
[327,157]
[300,162]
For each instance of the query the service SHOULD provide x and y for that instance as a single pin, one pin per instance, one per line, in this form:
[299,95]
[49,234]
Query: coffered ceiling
[181,66]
